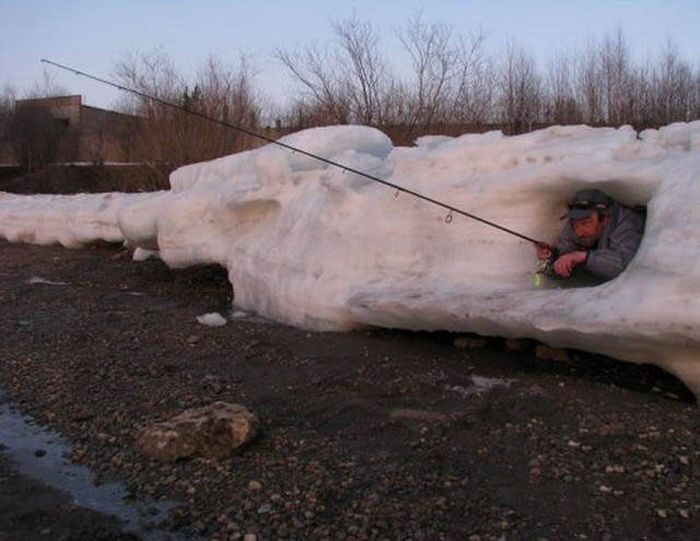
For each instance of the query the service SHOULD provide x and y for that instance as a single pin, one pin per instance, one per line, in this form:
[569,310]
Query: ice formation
[309,245]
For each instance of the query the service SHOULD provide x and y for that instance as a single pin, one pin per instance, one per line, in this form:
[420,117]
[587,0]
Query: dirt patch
[371,434]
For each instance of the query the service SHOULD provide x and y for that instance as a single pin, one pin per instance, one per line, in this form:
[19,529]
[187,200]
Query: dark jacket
[616,246]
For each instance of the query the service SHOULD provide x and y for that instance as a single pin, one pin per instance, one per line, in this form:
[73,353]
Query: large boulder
[212,431]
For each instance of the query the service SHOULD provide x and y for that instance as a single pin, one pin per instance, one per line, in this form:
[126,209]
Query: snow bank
[309,245]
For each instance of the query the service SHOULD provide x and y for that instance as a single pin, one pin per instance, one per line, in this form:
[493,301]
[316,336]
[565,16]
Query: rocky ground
[374,434]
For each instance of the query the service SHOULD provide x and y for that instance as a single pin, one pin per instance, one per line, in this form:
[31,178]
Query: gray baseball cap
[586,202]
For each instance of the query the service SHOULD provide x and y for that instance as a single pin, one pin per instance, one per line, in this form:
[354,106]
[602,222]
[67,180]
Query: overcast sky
[93,35]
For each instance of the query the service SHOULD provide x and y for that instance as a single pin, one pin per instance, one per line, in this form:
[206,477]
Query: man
[598,241]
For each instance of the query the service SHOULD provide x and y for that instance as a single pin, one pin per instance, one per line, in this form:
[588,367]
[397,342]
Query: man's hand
[565,265]
[544,252]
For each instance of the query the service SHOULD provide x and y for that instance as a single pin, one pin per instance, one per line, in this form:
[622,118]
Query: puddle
[480,385]
[40,454]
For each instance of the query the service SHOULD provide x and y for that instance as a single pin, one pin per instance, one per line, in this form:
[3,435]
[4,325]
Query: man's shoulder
[635,215]
[627,222]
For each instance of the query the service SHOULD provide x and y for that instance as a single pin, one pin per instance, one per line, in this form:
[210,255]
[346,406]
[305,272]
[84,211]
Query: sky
[93,36]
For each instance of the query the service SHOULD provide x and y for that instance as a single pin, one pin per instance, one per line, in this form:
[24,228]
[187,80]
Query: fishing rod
[450,208]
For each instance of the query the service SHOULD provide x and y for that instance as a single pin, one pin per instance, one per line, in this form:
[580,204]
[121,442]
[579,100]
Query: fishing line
[450,208]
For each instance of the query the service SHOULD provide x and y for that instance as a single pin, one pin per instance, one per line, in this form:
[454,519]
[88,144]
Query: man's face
[588,230]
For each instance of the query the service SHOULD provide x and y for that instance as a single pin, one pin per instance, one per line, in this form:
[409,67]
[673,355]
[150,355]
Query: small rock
[662,513]
[425,416]
[614,469]
[547,353]
[516,344]
[255,485]
[250,537]
[264,509]
[684,513]
[467,342]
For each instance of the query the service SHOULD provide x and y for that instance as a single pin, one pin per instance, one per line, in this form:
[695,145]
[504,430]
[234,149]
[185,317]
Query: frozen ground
[307,244]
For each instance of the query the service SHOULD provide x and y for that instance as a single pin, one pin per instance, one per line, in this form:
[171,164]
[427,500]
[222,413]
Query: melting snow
[38,280]
[213,319]
[480,384]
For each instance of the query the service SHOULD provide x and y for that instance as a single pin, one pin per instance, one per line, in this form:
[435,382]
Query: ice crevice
[310,245]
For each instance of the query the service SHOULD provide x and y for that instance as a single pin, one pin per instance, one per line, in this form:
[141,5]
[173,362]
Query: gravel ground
[374,434]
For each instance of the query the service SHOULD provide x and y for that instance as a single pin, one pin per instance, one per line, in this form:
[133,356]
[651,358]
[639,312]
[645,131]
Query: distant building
[79,133]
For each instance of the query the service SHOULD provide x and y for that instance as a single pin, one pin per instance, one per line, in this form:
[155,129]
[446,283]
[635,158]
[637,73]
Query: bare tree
[434,61]
[673,87]
[562,107]
[322,100]
[35,135]
[345,84]
[7,107]
[589,91]
[165,137]
[46,87]
[519,90]
[362,69]
[475,82]
[615,74]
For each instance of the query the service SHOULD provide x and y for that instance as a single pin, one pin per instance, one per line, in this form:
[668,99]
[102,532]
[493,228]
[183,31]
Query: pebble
[662,513]
[547,353]
[467,342]
[516,344]
[264,509]
[250,537]
[255,485]
[614,469]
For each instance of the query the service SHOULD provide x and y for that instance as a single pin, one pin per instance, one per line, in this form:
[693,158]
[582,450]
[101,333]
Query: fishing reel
[545,268]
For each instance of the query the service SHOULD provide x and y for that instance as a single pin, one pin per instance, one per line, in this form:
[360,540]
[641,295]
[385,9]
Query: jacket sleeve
[609,262]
